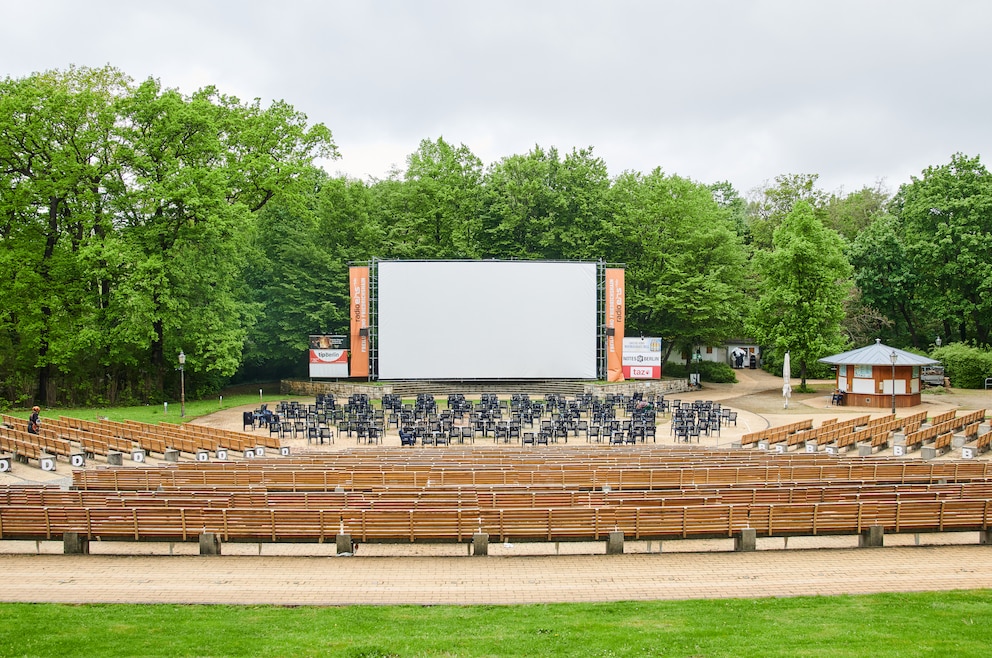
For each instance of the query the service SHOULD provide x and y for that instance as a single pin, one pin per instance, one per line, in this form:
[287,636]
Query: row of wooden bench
[828,432]
[775,434]
[324,476]
[578,455]
[65,437]
[158,438]
[876,434]
[942,426]
[518,524]
[497,497]
[839,435]
[31,446]
[983,444]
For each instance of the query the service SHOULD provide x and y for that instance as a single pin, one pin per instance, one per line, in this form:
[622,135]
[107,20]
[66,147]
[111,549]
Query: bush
[709,371]
[966,366]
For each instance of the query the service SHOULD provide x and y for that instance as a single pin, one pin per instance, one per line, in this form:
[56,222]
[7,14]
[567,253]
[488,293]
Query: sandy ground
[757,397]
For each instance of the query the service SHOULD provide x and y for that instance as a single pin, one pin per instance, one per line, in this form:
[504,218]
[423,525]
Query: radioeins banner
[614,324]
[359,278]
[642,358]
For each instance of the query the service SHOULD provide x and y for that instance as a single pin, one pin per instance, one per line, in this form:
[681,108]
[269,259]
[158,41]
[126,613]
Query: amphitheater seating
[564,492]
[775,434]
[561,493]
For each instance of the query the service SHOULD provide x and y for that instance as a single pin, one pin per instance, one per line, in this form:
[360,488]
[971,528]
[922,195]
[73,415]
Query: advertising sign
[328,356]
[359,279]
[615,295]
[328,363]
[642,358]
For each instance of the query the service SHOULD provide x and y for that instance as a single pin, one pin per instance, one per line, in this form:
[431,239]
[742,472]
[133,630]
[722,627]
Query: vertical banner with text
[359,278]
[614,324]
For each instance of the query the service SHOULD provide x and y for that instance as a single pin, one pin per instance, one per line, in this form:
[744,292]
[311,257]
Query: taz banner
[642,358]
[614,324]
[359,277]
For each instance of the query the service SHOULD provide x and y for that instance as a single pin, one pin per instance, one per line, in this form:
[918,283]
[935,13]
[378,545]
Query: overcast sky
[856,91]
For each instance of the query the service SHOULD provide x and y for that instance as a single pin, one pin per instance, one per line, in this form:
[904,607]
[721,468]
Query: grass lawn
[157,413]
[922,624]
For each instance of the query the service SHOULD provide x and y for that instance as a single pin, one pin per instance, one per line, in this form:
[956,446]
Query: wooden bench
[940,445]
[982,444]
[507,524]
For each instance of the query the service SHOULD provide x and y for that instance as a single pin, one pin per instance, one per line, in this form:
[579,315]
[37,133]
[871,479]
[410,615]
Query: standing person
[34,422]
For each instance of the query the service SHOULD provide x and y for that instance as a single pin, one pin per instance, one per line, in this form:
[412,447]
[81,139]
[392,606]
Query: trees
[57,161]
[542,206]
[883,273]
[195,169]
[685,264]
[126,213]
[804,282]
[947,219]
[774,202]
[136,221]
[436,213]
[851,214]
[297,276]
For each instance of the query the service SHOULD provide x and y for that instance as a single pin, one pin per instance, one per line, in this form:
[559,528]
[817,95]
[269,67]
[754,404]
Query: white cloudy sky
[856,91]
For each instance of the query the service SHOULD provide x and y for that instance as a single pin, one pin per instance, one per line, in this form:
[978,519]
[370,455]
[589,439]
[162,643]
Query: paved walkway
[490,580]
[249,574]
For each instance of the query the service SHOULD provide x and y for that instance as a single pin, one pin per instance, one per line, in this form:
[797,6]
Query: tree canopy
[137,221]
[803,286]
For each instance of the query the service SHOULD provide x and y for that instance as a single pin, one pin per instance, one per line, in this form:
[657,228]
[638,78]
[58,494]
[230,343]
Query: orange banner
[614,324]
[359,278]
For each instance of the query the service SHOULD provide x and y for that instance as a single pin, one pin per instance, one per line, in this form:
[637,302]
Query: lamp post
[938,341]
[182,384]
[699,357]
[893,357]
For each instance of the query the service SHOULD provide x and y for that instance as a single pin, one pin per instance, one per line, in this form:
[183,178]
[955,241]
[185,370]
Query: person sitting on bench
[34,422]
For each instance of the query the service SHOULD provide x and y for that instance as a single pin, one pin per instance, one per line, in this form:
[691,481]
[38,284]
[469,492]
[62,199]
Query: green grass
[919,624]
[157,413]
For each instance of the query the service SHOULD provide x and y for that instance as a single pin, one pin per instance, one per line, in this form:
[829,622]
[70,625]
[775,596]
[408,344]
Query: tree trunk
[51,239]
[910,325]
[158,354]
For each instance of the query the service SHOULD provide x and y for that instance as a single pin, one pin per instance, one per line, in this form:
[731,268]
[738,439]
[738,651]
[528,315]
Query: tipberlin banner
[328,356]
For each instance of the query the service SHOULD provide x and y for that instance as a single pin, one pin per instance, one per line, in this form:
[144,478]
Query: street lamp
[182,384]
[893,357]
[699,357]
[938,341]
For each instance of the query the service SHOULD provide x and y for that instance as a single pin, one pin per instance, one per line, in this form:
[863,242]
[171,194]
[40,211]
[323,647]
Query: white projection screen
[486,320]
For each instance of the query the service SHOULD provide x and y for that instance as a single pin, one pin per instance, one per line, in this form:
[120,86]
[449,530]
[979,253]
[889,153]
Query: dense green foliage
[916,624]
[709,371]
[125,216]
[804,278]
[965,365]
[136,221]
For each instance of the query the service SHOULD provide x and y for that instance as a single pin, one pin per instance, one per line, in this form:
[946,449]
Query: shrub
[709,371]
[967,366]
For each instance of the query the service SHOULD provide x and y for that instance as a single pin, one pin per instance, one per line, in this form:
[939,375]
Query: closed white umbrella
[786,387]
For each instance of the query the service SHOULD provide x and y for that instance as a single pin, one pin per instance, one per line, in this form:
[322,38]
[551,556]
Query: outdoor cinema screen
[486,320]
